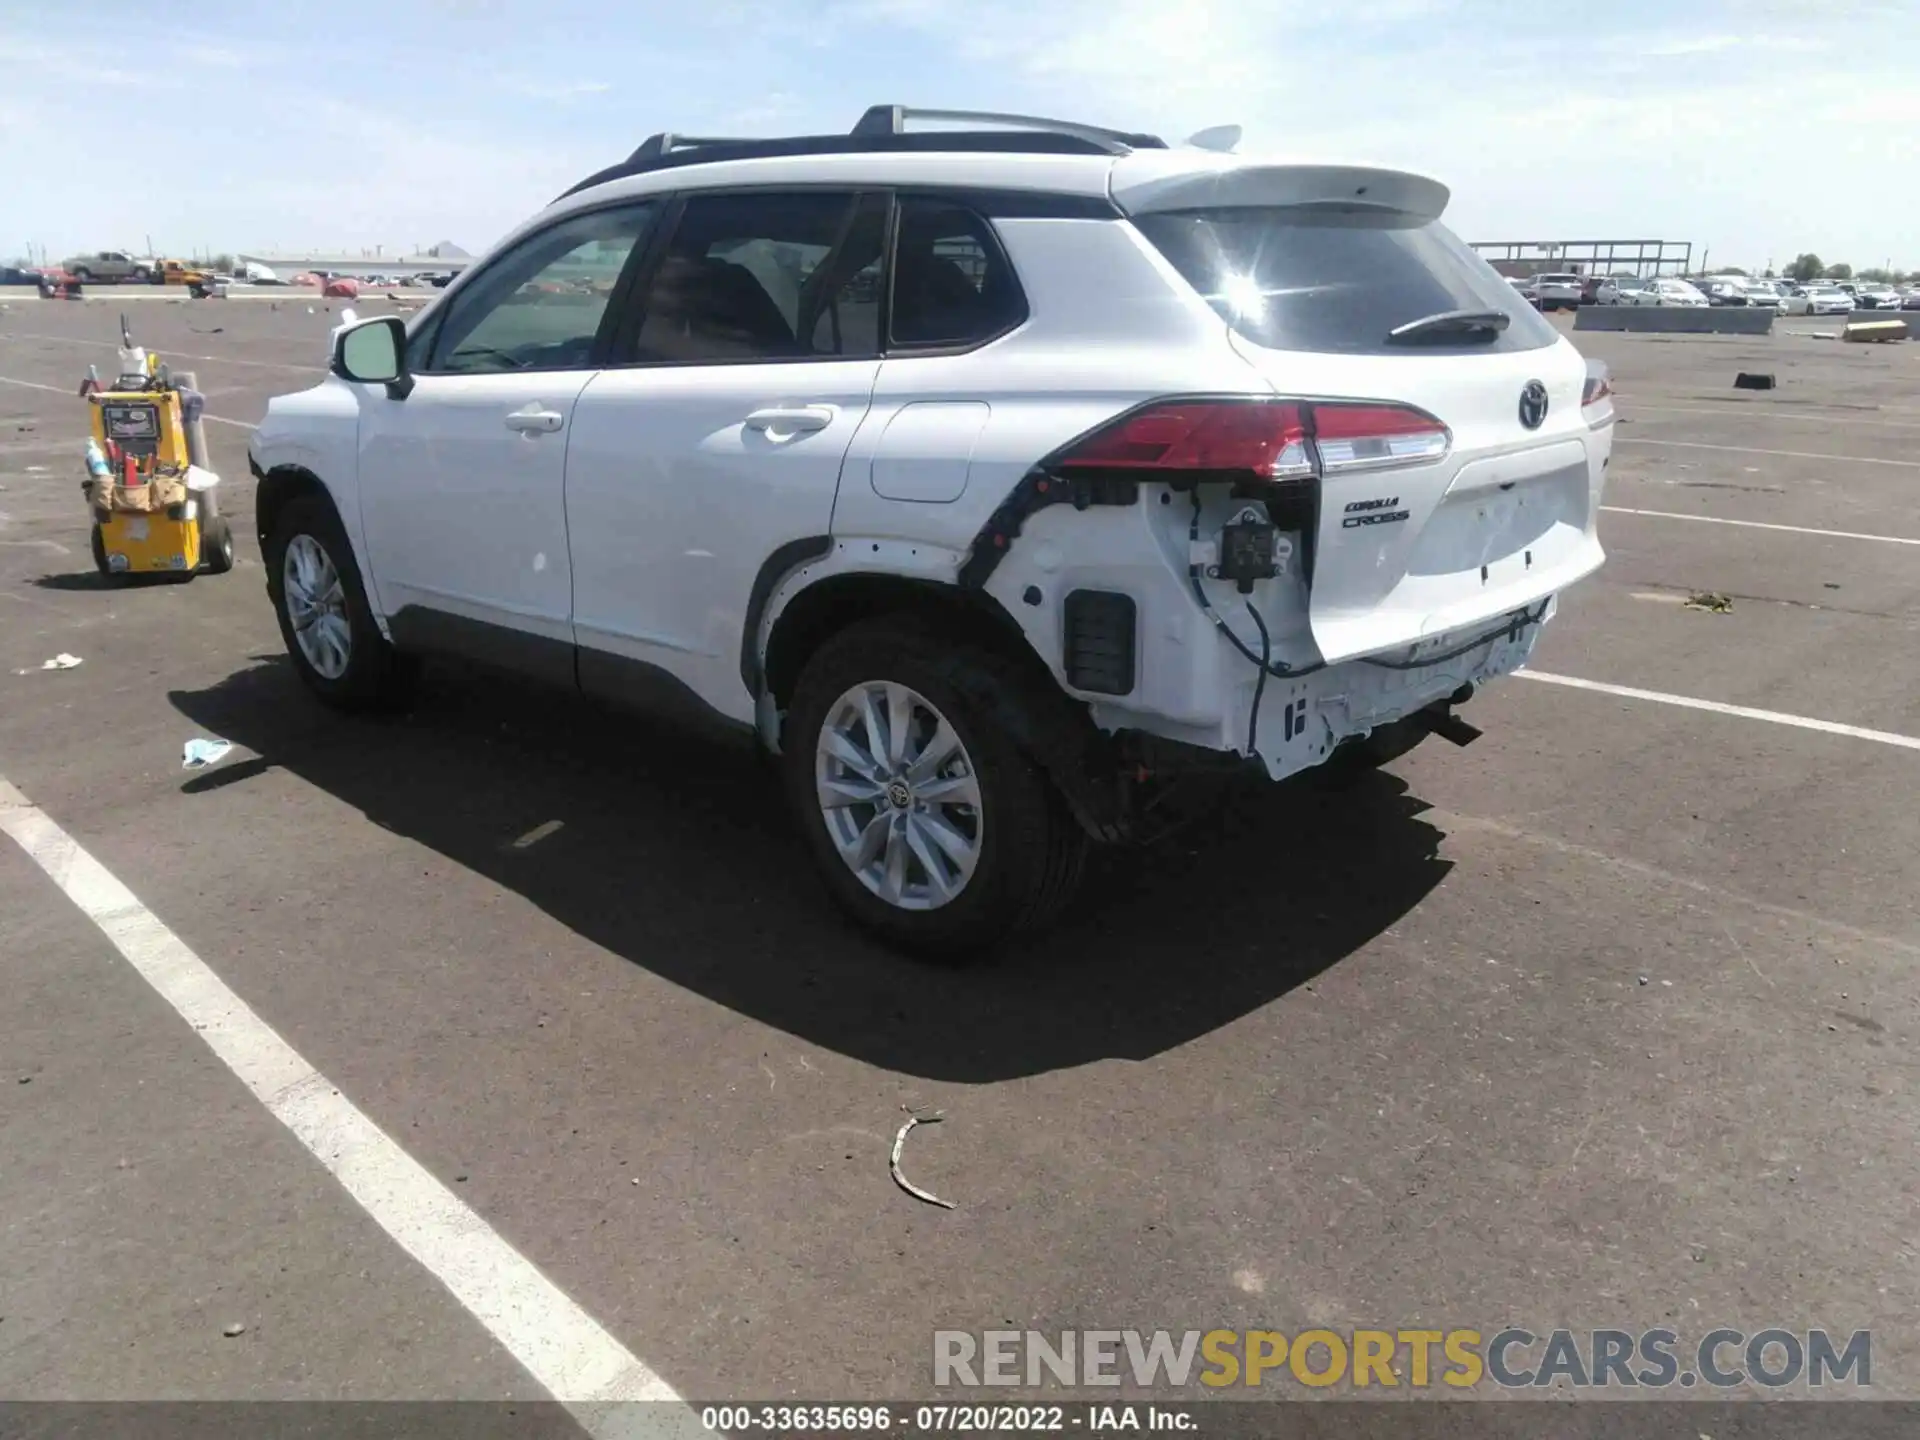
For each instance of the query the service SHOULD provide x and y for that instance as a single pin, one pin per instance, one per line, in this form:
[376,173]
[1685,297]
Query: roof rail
[666,142]
[892,120]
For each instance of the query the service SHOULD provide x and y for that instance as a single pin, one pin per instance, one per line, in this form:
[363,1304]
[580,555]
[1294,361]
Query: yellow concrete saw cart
[153,496]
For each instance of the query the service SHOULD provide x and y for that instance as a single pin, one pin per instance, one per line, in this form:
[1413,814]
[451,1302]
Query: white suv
[997,480]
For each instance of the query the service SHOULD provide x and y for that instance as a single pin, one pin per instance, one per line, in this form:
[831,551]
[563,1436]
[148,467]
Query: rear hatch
[1448,495]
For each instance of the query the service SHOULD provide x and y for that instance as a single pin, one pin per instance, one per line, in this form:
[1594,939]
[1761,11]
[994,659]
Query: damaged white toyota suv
[994,478]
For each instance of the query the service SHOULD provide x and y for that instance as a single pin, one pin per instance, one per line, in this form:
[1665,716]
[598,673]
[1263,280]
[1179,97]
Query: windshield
[1340,281]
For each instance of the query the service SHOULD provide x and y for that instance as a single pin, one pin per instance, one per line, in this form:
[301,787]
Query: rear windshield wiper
[1451,325]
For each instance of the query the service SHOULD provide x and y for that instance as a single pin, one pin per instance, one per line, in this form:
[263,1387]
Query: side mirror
[374,352]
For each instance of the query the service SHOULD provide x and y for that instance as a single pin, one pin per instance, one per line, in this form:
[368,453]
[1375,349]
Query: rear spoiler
[1154,180]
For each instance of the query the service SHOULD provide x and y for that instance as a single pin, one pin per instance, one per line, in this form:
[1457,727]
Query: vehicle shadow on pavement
[94,580]
[678,856]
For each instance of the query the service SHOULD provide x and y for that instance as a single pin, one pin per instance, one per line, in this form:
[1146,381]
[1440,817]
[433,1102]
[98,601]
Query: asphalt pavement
[1607,1019]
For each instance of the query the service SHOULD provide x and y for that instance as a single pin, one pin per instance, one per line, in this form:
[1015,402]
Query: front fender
[317,432]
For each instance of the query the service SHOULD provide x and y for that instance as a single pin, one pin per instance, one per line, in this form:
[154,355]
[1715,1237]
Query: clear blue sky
[1758,127]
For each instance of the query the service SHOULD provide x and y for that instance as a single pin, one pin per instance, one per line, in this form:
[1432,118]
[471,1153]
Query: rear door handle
[791,419]
[535,419]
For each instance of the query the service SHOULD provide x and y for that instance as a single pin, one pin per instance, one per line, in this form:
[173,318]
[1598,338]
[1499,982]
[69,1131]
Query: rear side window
[1339,281]
[952,285]
[767,275]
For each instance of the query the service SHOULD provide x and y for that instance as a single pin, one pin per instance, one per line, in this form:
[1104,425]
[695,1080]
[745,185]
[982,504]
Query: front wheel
[325,620]
[931,828]
[83,274]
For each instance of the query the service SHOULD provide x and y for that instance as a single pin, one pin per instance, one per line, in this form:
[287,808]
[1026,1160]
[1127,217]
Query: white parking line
[74,393]
[212,359]
[1759,525]
[562,1346]
[1752,409]
[1744,712]
[1749,450]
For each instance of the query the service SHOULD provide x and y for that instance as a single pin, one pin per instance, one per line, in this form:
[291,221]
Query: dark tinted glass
[951,283]
[1338,281]
[768,276]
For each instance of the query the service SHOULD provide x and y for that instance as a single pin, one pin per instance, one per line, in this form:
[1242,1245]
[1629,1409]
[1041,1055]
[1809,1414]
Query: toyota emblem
[1533,405]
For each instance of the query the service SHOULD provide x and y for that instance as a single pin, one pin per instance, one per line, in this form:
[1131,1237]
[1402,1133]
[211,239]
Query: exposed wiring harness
[1510,629]
[1514,624]
[1265,661]
[1260,681]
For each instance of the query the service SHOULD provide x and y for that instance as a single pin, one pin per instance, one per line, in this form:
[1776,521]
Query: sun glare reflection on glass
[1242,294]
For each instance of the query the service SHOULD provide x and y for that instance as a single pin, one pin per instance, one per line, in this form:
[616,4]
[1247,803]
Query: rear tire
[83,275]
[371,674]
[1023,850]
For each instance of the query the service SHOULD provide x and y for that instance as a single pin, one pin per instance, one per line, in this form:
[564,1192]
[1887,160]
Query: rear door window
[1339,281]
[767,275]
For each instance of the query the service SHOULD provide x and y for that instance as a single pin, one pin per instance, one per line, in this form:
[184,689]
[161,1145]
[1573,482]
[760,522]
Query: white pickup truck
[109,265]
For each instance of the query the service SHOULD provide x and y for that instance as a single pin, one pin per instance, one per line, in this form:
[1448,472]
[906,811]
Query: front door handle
[535,419]
[781,419]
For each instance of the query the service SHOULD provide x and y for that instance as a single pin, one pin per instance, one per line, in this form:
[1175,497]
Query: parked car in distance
[109,266]
[1911,300]
[1554,291]
[1819,298]
[1763,293]
[1724,292]
[1668,291]
[1877,297]
[1619,290]
[1042,586]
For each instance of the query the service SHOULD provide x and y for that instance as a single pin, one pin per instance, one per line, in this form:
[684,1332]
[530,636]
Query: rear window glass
[1338,280]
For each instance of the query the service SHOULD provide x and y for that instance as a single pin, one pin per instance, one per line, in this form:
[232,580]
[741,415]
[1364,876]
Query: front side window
[951,283]
[767,275]
[539,306]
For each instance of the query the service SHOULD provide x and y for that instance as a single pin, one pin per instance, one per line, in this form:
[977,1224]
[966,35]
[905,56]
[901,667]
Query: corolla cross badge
[1533,405]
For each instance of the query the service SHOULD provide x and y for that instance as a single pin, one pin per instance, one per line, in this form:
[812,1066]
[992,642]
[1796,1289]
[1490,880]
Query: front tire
[325,620]
[83,275]
[930,826]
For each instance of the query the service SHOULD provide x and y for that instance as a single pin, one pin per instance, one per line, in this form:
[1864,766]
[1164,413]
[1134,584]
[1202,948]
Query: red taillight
[1599,384]
[1272,438]
[1197,435]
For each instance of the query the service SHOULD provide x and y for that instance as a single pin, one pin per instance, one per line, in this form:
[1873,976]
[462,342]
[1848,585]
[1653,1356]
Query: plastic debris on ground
[62,661]
[893,1160]
[201,752]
